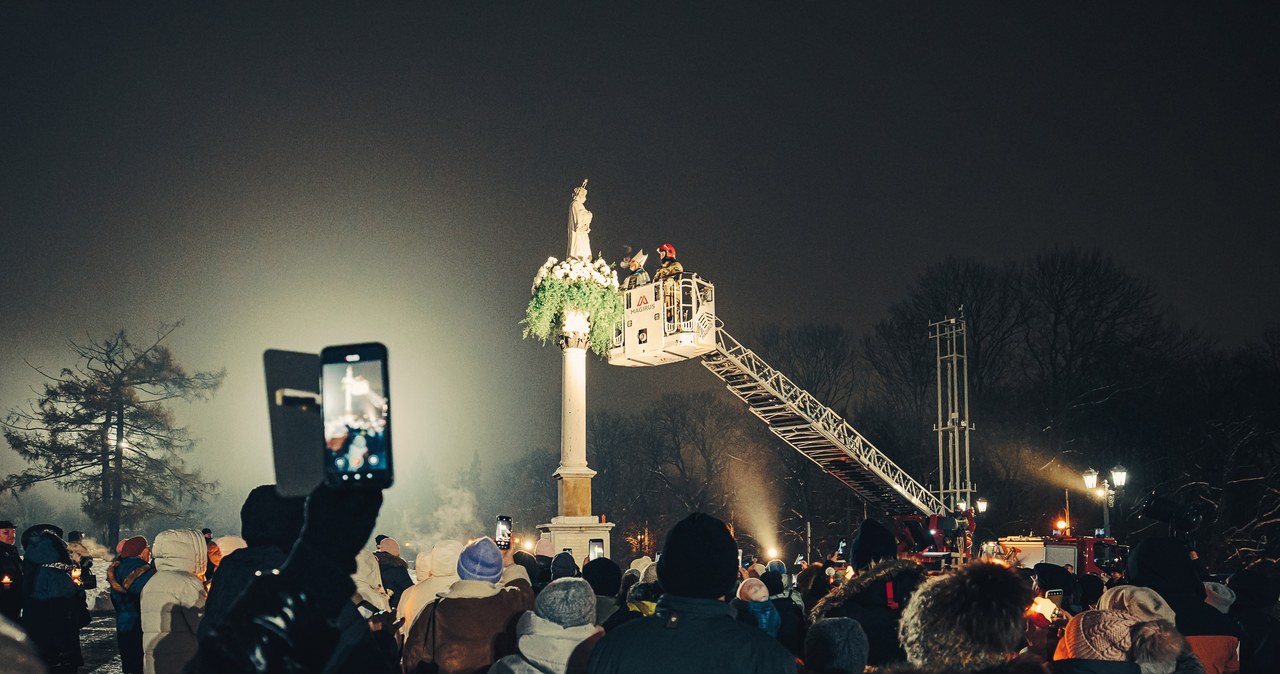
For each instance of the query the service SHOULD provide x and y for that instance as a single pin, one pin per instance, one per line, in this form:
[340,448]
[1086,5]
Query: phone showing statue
[357,416]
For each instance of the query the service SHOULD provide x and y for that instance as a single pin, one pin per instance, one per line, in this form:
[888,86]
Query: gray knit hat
[567,602]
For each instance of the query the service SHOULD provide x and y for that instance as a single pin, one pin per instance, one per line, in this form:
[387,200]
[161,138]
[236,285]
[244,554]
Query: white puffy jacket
[173,600]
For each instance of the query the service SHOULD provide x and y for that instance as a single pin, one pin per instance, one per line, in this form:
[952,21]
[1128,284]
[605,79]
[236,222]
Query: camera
[1181,518]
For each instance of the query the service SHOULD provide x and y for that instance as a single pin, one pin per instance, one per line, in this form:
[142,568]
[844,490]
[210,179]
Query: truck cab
[665,322]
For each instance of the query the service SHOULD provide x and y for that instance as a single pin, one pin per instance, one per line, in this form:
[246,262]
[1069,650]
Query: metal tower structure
[951,341]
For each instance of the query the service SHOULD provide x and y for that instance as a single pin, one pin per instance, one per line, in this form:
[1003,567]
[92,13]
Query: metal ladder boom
[816,431]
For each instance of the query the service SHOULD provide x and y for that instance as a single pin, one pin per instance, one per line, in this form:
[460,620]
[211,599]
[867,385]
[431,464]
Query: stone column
[573,476]
[574,526]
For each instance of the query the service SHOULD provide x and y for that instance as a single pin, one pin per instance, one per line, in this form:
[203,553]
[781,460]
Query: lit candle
[6,581]
[75,576]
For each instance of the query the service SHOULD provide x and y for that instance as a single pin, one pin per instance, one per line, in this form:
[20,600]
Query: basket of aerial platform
[666,321]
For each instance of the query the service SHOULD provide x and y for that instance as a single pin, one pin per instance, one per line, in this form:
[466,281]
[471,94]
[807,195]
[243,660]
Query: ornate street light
[1090,479]
[982,505]
[1119,475]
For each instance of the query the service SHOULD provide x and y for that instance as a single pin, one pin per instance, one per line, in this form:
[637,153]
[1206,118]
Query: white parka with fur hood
[173,600]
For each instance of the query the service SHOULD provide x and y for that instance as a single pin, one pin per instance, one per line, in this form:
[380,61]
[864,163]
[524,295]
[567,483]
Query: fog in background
[280,179]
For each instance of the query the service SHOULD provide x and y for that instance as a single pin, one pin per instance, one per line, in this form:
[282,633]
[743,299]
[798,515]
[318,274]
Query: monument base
[576,533]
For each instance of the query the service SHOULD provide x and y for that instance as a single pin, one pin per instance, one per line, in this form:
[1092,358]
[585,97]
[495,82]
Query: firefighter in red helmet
[670,267]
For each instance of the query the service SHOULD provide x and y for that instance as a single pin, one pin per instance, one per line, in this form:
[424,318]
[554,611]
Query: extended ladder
[816,431]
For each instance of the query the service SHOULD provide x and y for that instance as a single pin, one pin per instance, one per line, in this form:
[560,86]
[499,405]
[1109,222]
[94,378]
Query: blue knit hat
[481,560]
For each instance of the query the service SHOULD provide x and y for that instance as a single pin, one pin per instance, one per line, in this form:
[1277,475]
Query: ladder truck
[674,319]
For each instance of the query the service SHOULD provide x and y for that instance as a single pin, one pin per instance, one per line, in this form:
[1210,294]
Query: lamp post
[1119,476]
[982,505]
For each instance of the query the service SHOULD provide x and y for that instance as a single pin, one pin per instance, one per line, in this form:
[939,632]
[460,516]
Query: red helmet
[667,248]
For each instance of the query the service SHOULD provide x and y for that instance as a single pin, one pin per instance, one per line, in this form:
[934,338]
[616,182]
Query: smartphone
[502,533]
[595,548]
[357,416]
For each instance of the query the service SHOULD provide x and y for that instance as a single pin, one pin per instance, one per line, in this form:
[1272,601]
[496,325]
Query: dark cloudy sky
[300,176]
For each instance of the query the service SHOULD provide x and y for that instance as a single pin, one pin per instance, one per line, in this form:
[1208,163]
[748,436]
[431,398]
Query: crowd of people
[300,591]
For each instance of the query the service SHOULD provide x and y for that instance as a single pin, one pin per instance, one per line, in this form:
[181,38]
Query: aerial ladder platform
[674,319]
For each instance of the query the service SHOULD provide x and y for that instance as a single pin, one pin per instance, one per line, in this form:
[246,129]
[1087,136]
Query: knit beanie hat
[132,547]
[1097,635]
[604,575]
[773,581]
[699,558]
[873,543]
[563,566]
[753,589]
[389,545]
[1142,603]
[377,540]
[481,560]
[775,565]
[836,645]
[1219,596]
[966,621]
[567,602]
[542,548]
[640,562]
[267,518]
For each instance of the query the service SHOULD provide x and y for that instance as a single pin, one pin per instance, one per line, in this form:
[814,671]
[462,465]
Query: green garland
[552,295]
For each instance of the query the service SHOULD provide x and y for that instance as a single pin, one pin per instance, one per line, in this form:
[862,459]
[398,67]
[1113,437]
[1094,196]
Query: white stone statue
[579,224]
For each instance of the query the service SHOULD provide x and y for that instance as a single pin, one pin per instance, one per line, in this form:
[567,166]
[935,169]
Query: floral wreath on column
[576,283]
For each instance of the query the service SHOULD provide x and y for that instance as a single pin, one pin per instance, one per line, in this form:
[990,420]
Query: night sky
[302,176]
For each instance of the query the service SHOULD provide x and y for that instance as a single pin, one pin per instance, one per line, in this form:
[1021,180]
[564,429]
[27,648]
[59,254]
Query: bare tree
[104,428]
[688,440]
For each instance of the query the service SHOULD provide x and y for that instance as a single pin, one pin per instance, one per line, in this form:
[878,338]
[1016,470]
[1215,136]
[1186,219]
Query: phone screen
[595,548]
[357,416]
[502,533]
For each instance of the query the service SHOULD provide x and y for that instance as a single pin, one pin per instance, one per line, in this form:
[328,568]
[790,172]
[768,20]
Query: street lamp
[982,505]
[1119,475]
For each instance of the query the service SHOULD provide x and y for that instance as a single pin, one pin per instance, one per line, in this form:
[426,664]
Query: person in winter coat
[1257,589]
[558,635]
[605,577]
[127,576]
[1144,604]
[284,620]
[835,646]
[53,610]
[1165,565]
[436,571]
[563,566]
[11,569]
[368,580]
[968,621]
[1116,642]
[173,600]
[474,623]
[395,571]
[269,524]
[693,629]
[791,625]
[754,608]
[877,593]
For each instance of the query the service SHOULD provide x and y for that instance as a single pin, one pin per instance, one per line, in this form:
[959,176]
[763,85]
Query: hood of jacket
[181,550]
[441,562]
[546,645]
[903,572]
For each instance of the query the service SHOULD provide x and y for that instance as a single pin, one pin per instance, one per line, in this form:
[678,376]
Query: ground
[98,644]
